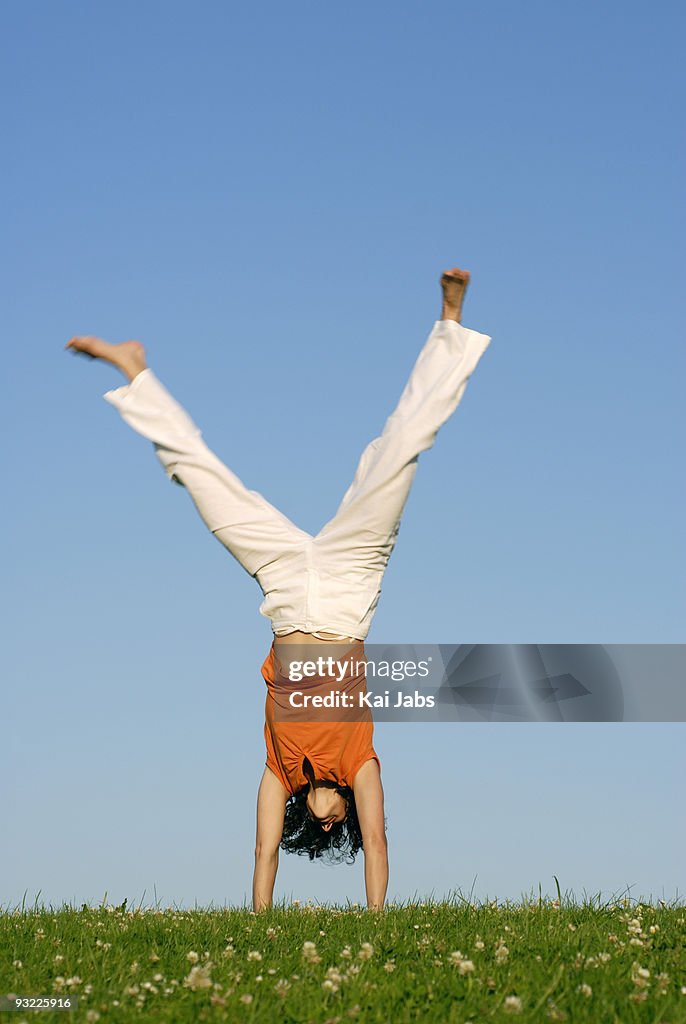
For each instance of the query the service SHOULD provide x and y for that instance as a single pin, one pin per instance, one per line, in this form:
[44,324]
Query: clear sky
[265,195]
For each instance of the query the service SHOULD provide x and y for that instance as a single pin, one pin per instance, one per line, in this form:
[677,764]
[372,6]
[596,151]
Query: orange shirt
[338,747]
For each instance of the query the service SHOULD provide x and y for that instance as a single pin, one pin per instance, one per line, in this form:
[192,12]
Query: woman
[321,790]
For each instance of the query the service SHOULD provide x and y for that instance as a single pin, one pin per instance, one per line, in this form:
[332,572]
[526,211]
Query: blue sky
[265,195]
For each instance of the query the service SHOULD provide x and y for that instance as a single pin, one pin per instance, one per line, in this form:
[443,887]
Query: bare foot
[454,284]
[128,356]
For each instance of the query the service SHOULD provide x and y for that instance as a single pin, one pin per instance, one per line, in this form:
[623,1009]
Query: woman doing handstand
[321,791]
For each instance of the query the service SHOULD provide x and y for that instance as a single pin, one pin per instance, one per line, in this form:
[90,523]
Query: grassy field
[444,961]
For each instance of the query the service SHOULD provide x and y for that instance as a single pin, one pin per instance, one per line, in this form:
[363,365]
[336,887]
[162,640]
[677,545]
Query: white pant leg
[254,532]
[364,529]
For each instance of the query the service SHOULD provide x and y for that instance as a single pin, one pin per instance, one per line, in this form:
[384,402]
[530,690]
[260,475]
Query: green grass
[450,961]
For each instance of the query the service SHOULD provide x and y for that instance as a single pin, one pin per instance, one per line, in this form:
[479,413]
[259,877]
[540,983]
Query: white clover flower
[254,955]
[456,957]
[329,986]
[198,978]
[389,966]
[282,986]
[92,1016]
[309,953]
[192,957]
[346,953]
[512,1004]
[639,975]
[585,990]
[246,998]
[465,967]
[366,951]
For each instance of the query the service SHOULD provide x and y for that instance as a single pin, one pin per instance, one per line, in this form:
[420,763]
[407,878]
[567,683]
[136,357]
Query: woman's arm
[271,809]
[370,812]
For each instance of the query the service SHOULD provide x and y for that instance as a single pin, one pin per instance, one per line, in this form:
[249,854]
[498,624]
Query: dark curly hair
[302,835]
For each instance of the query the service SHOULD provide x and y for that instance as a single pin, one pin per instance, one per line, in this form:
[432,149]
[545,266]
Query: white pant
[330,582]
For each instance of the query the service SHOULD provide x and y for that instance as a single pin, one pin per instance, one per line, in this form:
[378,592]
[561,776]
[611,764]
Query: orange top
[337,741]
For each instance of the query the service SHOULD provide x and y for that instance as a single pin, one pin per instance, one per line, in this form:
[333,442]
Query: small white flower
[585,990]
[512,1004]
[282,986]
[366,951]
[192,956]
[246,998]
[309,953]
[198,978]
[254,955]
